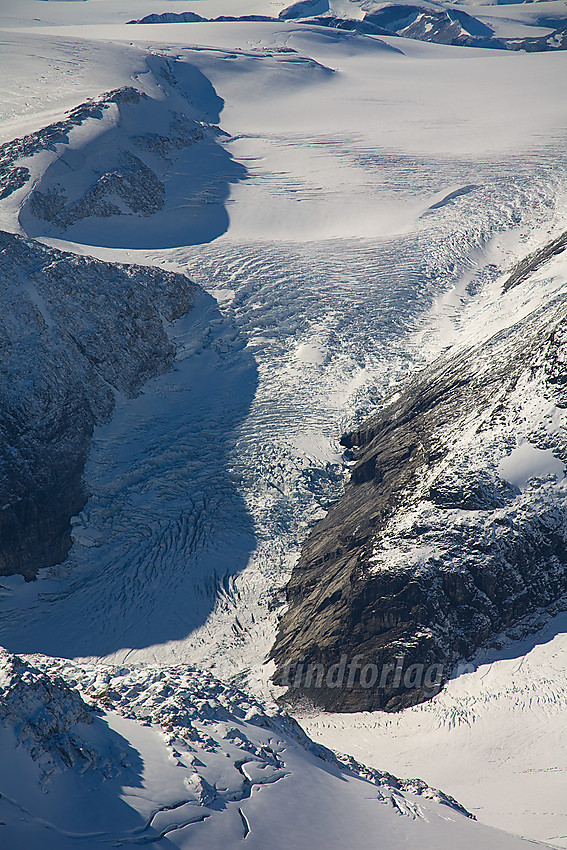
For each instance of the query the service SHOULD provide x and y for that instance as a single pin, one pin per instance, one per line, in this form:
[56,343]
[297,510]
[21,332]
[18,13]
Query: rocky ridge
[423,23]
[453,525]
[74,332]
[14,177]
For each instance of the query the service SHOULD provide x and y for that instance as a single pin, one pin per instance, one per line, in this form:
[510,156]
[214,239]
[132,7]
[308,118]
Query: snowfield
[349,206]
[171,756]
[504,718]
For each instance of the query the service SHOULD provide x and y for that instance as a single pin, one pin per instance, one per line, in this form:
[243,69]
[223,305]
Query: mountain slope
[172,756]
[75,333]
[388,184]
[453,525]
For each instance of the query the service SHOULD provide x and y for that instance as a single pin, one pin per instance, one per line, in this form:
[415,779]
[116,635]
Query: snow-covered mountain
[425,22]
[76,332]
[364,214]
[101,756]
[453,526]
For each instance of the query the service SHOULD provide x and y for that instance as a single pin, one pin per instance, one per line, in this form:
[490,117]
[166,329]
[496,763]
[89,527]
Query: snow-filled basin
[526,462]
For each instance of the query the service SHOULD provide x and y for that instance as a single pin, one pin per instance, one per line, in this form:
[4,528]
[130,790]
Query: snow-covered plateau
[282,380]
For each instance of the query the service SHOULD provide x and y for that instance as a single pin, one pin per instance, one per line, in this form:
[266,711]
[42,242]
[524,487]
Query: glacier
[296,220]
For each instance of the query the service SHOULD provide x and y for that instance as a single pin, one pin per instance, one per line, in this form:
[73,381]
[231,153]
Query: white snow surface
[495,737]
[526,462]
[389,184]
[172,756]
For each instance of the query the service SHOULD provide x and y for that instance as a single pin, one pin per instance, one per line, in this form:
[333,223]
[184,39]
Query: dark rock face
[304,8]
[430,553]
[442,26]
[131,181]
[365,27]
[193,18]
[73,331]
[557,40]
[169,17]
[456,27]
[534,261]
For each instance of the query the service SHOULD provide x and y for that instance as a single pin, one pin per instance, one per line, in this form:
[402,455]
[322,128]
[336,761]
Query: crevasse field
[349,221]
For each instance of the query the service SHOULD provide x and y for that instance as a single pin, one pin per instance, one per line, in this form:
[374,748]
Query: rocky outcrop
[13,177]
[73,332]
[557,40]
[131,183]
[452,528]
[442,26]
[456,27]
[350,24]
[142,172]
[304,8]
[169,18]
[193,18]
[535,260]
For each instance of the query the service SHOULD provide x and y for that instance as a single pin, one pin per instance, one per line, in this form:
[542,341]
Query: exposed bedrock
[73,332]
[439,542]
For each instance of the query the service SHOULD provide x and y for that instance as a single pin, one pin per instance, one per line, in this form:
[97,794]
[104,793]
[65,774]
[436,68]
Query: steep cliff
[74,331]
